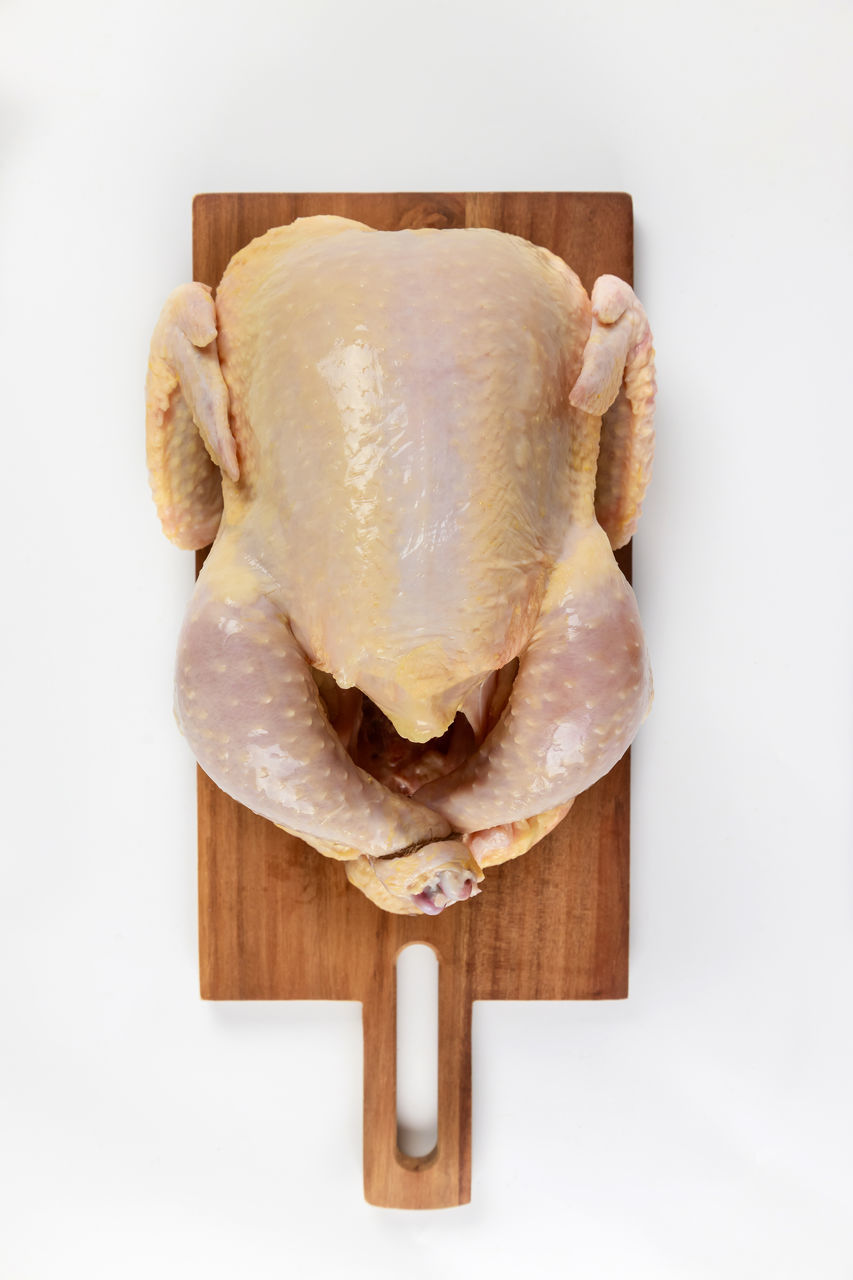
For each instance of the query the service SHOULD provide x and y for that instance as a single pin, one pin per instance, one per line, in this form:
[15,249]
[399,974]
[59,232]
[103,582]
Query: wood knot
[439,215]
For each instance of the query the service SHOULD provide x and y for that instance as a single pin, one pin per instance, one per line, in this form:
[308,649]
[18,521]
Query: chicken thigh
[411,644]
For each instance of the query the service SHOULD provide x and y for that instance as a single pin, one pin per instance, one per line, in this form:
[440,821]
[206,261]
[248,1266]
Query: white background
[703,1127]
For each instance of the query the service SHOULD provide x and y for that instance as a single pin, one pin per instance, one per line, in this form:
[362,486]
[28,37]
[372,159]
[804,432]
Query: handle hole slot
[417,1050]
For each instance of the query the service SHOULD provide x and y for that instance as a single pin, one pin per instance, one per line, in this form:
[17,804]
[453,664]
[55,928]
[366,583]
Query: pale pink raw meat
[412,506]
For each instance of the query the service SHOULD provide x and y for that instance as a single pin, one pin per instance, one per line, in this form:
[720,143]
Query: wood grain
[279,922]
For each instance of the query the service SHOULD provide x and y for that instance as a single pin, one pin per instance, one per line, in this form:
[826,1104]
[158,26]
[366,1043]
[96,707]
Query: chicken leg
[252,713]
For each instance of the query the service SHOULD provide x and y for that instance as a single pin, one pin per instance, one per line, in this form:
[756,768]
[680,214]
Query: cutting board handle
[442,1178]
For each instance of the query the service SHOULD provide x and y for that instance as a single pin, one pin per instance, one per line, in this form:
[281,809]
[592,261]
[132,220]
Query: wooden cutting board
[279,922]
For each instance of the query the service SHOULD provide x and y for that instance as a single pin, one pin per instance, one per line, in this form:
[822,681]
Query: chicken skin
[411,644]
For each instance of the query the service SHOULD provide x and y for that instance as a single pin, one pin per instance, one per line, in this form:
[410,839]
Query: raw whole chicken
[411,644]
